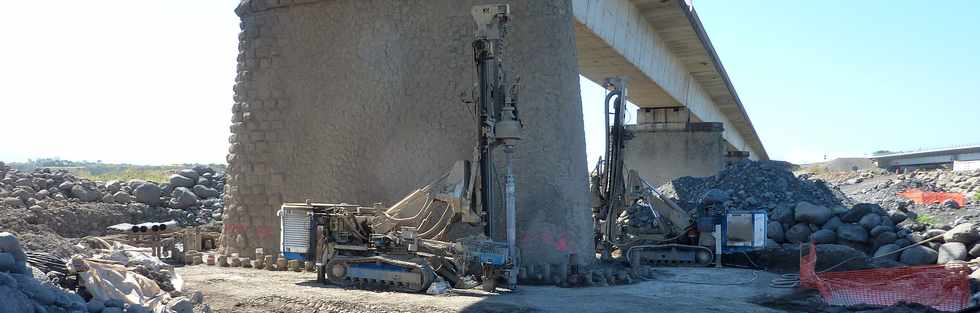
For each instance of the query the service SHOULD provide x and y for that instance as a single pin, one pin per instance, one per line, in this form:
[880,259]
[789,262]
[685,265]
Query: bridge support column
[359,101]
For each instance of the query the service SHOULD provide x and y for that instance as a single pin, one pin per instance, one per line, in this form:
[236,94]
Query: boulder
[122,197]
[870,221]
[180,305]
[775,231]
[852,232]
[880,229]
[84,194]
[148,194]
[113,186]
[919,255]
[182,181]
[975,251]
[798,233]
[95,306]
[857,212]
[885,238]
[133,183]
[204,192]
[902,242]
[885,250]
[189,173]
[66,186]
[809,213]
[833,223]
[951,251]
[784,214]
[13,202]
[965,233]
[823,236]
[182,198]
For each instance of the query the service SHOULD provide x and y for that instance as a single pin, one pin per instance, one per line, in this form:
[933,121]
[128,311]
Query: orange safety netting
[943,287]
[924,197]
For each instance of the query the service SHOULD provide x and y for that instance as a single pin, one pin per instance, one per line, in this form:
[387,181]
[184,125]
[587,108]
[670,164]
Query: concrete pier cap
[358,101]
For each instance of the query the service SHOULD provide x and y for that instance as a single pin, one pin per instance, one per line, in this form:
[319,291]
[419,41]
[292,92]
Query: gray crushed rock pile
[755,185]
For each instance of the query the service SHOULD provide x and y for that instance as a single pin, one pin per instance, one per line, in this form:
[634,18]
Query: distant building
[960,158]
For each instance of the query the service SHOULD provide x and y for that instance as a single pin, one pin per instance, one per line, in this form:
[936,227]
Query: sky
[150,82]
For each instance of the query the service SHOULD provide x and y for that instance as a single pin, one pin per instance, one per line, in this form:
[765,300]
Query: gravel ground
[675,290]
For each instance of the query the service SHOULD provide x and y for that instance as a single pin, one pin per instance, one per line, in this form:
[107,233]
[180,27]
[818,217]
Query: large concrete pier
[359,101]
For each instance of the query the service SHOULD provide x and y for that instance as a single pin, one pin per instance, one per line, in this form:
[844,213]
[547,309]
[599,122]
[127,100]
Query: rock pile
[886,192]
[197,191]
[755,185]
[20,291]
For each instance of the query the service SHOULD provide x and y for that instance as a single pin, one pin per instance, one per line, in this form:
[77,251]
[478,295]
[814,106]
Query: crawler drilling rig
[405,246]
[636,224]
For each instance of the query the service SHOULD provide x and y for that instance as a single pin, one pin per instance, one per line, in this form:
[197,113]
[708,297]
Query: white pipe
[510,205]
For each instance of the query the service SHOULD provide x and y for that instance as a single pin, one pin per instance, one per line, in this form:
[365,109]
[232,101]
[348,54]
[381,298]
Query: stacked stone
[255,191]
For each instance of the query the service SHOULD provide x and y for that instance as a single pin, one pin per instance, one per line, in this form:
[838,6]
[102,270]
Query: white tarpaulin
[112,281]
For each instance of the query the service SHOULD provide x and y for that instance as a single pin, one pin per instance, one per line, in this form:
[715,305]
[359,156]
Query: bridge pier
[359,101]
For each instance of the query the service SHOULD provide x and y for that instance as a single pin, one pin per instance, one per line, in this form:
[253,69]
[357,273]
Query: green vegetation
[107,171]
[926,219]
[976,197]
[124,174]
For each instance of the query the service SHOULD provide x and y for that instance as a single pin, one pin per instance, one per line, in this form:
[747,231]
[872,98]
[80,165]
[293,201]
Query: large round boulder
[177,180]
[784,214]
[870,221]
[122,197]
[147,193]
[919,255]
[880,229]
[857,212]
[852,232]
[775,231]
[806,212]
[833,223]
[886,252]
[885,238]
[823,236]
[975,251]
[798,233]
[182,198]
[951,251]
[965,233]
[84,194]
[189,173]
[205,192]
[113,186]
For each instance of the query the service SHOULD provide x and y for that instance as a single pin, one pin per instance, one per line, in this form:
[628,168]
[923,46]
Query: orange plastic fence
[924,197]
[943,287]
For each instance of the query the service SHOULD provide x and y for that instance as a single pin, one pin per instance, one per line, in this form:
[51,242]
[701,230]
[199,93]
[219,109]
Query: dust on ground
[674,290]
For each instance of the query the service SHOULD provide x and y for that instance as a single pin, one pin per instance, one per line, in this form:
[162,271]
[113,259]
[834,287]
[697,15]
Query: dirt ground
[244,290]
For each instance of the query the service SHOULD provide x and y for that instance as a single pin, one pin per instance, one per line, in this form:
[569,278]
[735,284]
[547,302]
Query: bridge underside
[675,77]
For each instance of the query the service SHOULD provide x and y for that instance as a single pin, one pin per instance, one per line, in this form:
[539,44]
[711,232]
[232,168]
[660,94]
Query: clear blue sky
[851,77]
[150,82]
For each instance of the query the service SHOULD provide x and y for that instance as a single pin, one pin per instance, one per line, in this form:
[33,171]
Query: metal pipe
[510,205]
